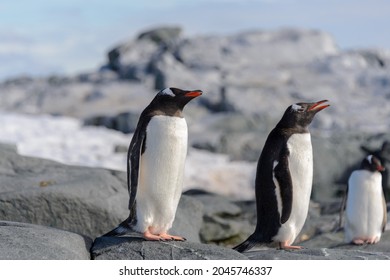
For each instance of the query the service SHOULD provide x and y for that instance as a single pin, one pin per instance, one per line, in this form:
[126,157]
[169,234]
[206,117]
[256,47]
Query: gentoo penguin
[383,154]
[284,179]
[365,213]
[155,166]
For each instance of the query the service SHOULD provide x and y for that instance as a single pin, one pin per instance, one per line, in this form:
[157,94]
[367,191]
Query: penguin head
[300,115]
[372,163]
[177,96]
[171,101]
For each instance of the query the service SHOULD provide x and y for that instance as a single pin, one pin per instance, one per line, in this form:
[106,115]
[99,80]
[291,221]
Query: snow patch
[66,140]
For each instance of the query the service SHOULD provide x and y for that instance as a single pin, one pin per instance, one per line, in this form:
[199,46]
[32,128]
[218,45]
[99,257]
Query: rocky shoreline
[50,210]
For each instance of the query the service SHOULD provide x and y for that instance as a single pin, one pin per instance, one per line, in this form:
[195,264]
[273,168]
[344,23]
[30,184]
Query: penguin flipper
[384,222]
[247,244]
[133,162]
[283,176]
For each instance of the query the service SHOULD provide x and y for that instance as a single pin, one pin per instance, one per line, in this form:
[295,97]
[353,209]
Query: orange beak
[318,107]
[381,168]
[194,93]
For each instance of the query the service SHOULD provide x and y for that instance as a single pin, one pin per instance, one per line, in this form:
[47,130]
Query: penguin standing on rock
[284,179]
[155,168]
[366,214]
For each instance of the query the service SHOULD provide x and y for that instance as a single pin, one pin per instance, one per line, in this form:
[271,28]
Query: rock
[222,105]
[80,97]
[246,221]
[239,135]
[331,207]
[188,220]
[125,122]
[335,240]
[79,199]
[161,35]
[328,246]
[288,64]
[214,205]
[223,221]
[335,157]
[135,248]
[248,79]
[316,254]
[19,241]
[131,60]
[285,46]
[315,225]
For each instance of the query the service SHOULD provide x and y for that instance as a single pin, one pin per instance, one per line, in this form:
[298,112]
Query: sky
[67,37]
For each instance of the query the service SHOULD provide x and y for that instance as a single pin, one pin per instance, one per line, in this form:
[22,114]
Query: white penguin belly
[364,210]
[161,173]
[301,169]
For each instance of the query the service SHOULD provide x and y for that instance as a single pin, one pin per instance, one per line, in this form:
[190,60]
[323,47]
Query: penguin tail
[122,229]
[247,244]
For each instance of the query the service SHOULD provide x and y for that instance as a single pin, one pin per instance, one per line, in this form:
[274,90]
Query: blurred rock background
[248,80]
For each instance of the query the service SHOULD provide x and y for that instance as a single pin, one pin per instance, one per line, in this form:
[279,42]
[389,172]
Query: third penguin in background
[365,213]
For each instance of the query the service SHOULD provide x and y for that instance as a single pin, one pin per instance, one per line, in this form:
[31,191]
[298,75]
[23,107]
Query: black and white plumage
[155,169]
[365,213]
[284,179]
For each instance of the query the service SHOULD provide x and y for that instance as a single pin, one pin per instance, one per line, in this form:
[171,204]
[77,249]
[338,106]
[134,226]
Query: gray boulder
[135,248]
[81,97]
[188,220]
[221,222]
[161,35]
[19,241]
[84,200]
[239,135]
[125,122]
[260,72]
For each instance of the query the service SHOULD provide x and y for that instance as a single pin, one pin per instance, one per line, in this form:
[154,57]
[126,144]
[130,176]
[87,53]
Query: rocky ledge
[50,210]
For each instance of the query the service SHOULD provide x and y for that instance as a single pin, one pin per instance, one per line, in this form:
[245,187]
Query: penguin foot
[373,240]
[152,237]
[161,236]
[167,237]
[358,241]
[285,246]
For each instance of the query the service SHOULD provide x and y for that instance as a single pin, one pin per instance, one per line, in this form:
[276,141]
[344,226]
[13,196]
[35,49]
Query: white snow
[63,139]
[66,140]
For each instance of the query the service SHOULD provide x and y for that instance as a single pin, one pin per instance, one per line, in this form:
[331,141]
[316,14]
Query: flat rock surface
[135,248]
[19,241]
[317,254]
[329,246]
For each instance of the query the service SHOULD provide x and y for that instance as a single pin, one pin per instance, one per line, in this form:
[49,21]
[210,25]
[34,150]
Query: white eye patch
[167,91]
[369,158]
[296,107]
